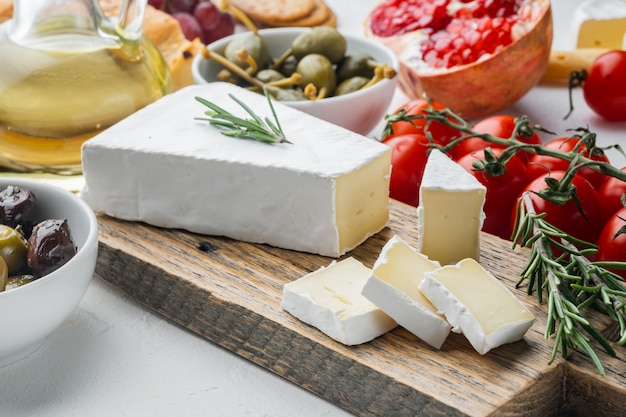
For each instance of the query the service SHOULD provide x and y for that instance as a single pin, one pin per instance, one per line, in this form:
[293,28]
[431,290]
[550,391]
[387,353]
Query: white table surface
[115,357]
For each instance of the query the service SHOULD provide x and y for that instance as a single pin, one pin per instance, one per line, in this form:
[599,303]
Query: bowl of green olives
[346,80]
[48,251]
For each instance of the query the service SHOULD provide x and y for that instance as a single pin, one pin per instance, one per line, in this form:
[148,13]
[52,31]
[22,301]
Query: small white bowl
[30,313]
[359,111]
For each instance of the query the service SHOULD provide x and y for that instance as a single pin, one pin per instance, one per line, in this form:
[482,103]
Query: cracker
[275,10]
[321,15]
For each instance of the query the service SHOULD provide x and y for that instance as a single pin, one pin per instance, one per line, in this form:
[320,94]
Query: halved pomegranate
[474,56]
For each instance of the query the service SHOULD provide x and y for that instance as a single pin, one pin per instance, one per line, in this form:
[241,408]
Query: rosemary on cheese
[255,128]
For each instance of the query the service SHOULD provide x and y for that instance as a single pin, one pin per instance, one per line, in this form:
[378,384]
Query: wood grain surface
[230,292]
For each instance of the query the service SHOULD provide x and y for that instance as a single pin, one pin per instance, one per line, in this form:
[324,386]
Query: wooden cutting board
[230,292]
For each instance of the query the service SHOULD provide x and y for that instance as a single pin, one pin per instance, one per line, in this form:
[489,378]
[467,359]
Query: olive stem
[380,73]
[244,56]
[207,54]
[294,79]
[226,6]
[281,59]
[226,76]
[313,93]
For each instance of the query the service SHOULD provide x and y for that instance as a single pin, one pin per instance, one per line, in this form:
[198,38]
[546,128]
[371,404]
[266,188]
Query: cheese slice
[477,304]
[450,211]
[394,287]
[324,193]
[330,299]
[599,24]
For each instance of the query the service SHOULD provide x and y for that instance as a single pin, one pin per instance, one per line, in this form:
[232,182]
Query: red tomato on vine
[409,153]
[441,133]
[611,243]
[583,223]
[501,126]
[542,164]
[502,191]
[604,87]
[610,194]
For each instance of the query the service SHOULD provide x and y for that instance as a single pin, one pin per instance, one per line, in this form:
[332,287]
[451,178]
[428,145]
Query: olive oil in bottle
[52,100]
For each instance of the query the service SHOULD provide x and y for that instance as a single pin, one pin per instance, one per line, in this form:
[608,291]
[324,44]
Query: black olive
[17,208]
[50,246]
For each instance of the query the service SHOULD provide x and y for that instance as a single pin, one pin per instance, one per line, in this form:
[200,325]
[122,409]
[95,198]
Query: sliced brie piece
[324,193]
[330,299]
[394,287]
[450,211]
[477,304]
[599,24]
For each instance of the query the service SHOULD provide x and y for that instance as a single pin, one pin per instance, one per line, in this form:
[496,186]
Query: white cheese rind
[325,193]
[450,211]
[393,286]
[477,304]
[599,24]
[330,299]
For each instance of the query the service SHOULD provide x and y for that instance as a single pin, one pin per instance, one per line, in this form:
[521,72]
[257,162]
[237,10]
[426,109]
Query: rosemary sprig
[256,128]
[571,283]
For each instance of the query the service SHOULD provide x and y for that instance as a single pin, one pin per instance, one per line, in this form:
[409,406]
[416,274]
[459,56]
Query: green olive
[321,40]
[288,66]
[286,94]
[350,85]
[19,280]
[361,65]
[4,274]
[12,249]
[254,45]
[269,75]
[316,69]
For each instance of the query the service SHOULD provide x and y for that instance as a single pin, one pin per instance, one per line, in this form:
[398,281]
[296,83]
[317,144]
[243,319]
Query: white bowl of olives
[48,246]
[353,79]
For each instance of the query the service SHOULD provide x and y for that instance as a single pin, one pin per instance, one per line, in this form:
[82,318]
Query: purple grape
[225,27]
[157,4]
[189,25]
[208,15]
[177,6]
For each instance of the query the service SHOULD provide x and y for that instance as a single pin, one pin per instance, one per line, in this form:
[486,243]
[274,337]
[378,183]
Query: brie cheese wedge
[477,304]
[394,287]
[450,211]
[330,299]
[324,193]
[599,24]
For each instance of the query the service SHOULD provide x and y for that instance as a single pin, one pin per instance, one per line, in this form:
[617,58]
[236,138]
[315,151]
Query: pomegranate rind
[486,86]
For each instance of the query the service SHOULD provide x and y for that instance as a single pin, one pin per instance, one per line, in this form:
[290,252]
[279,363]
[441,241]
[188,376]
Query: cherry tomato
[542,164]
[611,247]
[501,126]
[567,217]
[441,133]
[502,191]
[610,194]
[604,89]
[408,159]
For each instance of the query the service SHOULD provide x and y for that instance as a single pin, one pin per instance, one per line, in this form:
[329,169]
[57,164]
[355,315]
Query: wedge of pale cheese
[330,299]
[477,304]
[324,193]
[450,211]
[393,286]
[599,24]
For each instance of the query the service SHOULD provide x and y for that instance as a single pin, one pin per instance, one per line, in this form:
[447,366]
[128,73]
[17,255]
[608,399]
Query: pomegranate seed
[475,28]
